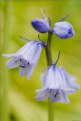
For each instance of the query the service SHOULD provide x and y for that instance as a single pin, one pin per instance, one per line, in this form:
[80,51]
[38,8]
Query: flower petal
[8,55]
[25,68]
[13,63]
[53,97]
[63,97]
[42,94]
[32,55]
[23,71]
[48,76]
[70,80]
[30,69]
[25,48]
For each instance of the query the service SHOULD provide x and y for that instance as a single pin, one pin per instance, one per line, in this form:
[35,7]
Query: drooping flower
[57,83]
[40,25]
[63,29]
[26,58]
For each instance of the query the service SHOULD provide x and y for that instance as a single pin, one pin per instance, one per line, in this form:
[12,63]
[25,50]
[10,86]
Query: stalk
[49,62]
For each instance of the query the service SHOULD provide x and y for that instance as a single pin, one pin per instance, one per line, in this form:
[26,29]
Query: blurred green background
[20,92]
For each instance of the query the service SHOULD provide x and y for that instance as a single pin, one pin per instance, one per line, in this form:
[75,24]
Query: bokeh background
[17,94]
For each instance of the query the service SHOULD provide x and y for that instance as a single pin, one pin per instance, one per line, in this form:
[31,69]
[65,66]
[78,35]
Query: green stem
[48,49]
[50,111]
[49,62]
[5,73]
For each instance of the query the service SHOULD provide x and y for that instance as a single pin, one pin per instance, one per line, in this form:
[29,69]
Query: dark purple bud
[40,25]
[63,30]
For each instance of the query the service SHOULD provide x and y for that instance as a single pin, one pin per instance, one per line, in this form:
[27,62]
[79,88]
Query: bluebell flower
[57,83]
[63,29]
[40,25]
[26,58]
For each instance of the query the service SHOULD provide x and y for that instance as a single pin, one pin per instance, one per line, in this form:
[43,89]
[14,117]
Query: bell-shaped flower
[26,58]
[63,30]
[40,25]
[57,83]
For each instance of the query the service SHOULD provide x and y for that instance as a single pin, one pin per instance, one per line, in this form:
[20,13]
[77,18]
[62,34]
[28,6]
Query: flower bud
[63,30]
[40,25]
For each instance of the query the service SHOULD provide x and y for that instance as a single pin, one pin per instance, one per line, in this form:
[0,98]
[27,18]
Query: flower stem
[5,73]
[49,62]
[48,49]
[50,111]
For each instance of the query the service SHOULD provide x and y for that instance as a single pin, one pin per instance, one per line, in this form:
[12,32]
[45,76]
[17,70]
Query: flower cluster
[57,83]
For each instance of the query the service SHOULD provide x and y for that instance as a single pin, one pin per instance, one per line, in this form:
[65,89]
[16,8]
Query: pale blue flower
[40,25]
[26,58]
[57,83]
[63,29]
